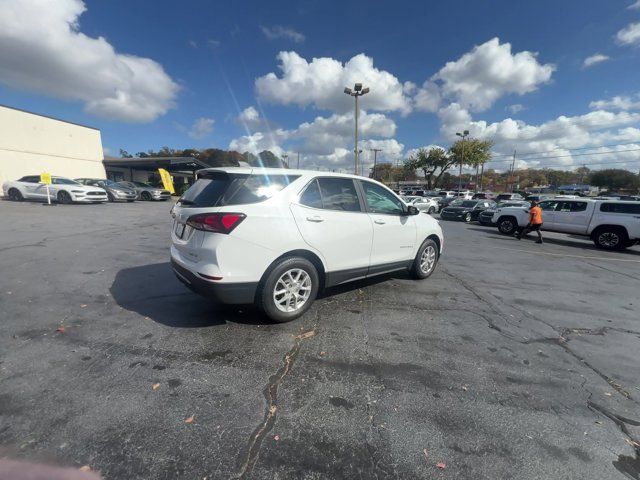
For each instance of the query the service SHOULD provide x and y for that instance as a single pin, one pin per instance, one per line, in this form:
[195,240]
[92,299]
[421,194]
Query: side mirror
[411,210]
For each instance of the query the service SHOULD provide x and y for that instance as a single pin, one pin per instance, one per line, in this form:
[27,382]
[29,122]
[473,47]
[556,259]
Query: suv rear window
[630,208]
[220,188]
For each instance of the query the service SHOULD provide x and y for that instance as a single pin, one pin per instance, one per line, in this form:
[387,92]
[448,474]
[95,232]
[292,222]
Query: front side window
[30,179]
[339,194]
[379,200]
[546,206]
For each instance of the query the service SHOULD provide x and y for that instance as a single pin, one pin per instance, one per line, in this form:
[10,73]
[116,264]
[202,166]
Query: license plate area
[180,228]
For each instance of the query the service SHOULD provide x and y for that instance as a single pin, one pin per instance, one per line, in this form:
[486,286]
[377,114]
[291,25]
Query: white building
[31,144]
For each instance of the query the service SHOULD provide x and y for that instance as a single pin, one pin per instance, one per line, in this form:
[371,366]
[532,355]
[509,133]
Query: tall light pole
[375,160]
[462,135]
[284,159]
[357,91]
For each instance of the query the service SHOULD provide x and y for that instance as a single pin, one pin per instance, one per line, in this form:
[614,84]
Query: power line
[570,155]
[568,149]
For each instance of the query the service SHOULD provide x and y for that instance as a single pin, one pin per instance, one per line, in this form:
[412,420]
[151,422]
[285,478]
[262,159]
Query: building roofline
[48,116]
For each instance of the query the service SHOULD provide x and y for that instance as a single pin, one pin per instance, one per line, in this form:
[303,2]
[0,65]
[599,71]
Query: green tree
[615,179]
[472,152]
[429,161]
[125,154]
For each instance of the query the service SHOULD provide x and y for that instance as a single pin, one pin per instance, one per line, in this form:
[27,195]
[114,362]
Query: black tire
[431,210]
[64,197]
[507,225]
[110,197]
[420,270]
[15,195]
[467,218]
[146,196]
[611,238]
[265,300]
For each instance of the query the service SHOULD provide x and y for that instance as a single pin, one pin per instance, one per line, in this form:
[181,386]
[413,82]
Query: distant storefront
[182,170]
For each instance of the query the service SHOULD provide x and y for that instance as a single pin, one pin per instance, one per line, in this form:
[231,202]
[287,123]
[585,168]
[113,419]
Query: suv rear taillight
[216,222]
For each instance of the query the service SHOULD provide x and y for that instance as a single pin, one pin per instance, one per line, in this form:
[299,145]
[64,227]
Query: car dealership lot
[512,360]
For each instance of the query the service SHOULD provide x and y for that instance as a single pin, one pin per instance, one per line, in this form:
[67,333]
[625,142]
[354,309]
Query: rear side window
[339,194]
[311,196]
[629,208]
[30,179]
[220,188]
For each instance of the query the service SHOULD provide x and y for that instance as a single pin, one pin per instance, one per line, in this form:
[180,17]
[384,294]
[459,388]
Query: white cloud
[201,128]
[593,129]
[193,43]
[634,6]
[278,31]
[213,44]
[594,59]
[629,35]
[619,102]
[515,108]
[489,71]
[322,81]
[325,141]
[428,98]
[43,50]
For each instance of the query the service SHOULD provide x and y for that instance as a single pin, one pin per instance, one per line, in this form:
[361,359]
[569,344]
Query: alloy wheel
[292,290]
[428,259]
[609,239]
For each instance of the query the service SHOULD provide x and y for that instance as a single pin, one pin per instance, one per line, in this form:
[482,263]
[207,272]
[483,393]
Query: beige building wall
[31,144]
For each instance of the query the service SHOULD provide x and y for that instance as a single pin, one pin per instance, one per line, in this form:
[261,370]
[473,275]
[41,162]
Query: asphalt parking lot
[514,360]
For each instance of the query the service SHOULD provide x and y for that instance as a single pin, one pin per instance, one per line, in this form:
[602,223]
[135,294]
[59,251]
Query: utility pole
[513,166]
[462,135]
[375,160]
[298,160]
[284,159]
[357,91]
[481,175]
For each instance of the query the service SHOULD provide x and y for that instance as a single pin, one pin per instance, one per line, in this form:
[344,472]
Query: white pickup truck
[612,225]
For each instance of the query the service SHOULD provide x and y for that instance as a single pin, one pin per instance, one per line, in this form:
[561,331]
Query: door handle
[379,222]
[316,219]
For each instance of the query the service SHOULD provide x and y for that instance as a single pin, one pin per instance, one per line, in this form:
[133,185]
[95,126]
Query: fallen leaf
[322,354]
[60,329]
[155,386]
[441,465]
[598,422]
[189,420]
[276,437]
[426,455]
[633,443]
[465,387]
[84,305]
[607,394]
[85,468]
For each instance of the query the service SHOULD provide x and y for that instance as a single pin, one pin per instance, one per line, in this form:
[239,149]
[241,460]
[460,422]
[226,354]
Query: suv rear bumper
[231,293]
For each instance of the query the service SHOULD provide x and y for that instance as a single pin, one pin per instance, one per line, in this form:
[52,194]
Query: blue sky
[517,74]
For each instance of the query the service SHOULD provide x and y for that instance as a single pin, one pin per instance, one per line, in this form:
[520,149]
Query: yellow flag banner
[166,180]
[45,178]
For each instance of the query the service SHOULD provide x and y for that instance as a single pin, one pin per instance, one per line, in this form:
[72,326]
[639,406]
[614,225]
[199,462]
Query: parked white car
[426,204]
[61,190]
[611,224]
[275,237]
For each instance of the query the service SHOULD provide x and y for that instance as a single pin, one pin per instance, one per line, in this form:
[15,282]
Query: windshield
[463,203]
[64,181]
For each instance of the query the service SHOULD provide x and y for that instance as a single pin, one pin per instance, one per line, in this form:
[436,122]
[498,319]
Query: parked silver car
[148,192]
[115,191]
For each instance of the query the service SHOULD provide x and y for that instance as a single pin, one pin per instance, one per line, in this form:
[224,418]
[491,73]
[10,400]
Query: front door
[548,213]
[394,232]
[331,219]
[571,217]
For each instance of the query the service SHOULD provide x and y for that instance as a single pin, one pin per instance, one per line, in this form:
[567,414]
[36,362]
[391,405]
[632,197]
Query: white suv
[275,237]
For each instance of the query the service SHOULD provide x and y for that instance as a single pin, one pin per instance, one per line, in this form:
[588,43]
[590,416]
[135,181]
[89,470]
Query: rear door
[394,232]
[571,216]
[332,220]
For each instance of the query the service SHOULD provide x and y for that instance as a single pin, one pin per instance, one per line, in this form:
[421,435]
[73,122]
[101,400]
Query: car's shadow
[569,241]
[153,292]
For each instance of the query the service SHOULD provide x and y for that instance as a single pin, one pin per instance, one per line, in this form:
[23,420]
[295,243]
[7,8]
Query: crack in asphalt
[249,455]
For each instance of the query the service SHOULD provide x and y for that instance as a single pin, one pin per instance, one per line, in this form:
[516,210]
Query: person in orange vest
[535,223]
